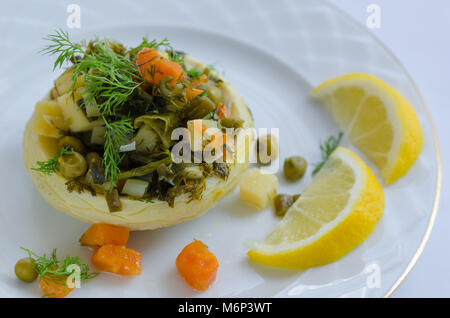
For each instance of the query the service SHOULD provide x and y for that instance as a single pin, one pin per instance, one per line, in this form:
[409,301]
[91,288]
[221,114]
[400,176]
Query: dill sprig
[52,165]
[62,46]
[194,73]
[173,55]
[50,269]
[110,77]
[152,45]
[116,134]
[327,149]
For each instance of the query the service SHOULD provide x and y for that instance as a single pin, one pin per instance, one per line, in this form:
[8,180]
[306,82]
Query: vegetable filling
[113,112]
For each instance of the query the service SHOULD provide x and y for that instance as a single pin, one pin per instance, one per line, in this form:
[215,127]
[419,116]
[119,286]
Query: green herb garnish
[173,55]
[327,149]
[152,45]
[50,269]
[210,115]
[204,93]
[116,133]
[194,73]
[62,46]
[111,78]
[52,165]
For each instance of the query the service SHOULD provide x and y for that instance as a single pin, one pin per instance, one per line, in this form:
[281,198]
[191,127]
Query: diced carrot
[222,111]
[153,67]
[54,287]
[199,81]
[117,259]
[100,234]
[197,265]
[191,93]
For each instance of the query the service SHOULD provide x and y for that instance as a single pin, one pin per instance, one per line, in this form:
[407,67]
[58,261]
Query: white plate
[274,52]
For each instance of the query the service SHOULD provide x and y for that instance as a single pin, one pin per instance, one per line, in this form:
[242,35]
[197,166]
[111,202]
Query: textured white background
[417,33]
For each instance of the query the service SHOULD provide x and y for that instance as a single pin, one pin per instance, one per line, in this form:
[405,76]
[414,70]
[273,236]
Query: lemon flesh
[377,119]
[337,212]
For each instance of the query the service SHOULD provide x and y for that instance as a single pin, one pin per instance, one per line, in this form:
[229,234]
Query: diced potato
[200,129]
[48,119]
[73,114]
[64,82]
[258,188]
[211,129]
[48,145]
[135,187]
[98,122]
[209,123]
[93,110]
[98,135]
[146,140]
[53,93]
[195,128]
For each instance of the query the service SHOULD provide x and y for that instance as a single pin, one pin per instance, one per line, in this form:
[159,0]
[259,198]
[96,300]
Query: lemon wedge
[377,119]
[338,211]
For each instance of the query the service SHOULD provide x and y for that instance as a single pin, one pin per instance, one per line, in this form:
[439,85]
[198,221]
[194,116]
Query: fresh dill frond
[173,55]
[176,57]
[63,46]
[204,93]
[116,134]
[50,269]
[145,43]
[211,115]
[52,165]
[194,73]
[327,149]
[111,78]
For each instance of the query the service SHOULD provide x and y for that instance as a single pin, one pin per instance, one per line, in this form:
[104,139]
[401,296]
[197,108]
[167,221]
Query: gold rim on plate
[432,217]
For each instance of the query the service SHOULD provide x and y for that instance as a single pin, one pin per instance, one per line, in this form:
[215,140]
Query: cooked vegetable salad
[113,112]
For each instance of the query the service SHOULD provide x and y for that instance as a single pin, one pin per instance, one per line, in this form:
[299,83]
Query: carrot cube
[197,265]
[117,259]
[101,234]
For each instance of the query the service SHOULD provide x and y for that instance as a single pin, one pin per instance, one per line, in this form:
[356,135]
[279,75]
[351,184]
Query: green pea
[294,168]
[71,143]
[72,166]
[282,203]
[24,270]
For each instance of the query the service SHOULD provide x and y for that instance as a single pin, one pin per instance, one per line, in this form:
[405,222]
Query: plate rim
[432,217]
